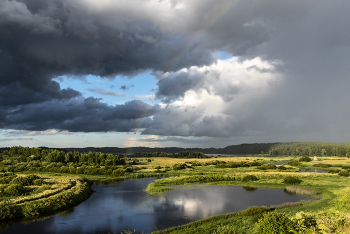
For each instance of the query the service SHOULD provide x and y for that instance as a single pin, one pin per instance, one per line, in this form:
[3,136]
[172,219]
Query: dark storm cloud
[176,85]
[17,94]
[308,40]
[310,43]
[81,115]
[41,40]
[172,139]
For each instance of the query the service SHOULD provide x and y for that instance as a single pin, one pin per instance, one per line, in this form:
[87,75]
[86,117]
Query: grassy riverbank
[24,197]
[329,214]
[56,193]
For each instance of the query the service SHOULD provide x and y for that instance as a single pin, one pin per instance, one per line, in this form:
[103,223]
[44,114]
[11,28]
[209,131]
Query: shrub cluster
[179,166]
[291,180]
[322,165]
[24,181]
[14,189]
[282,168]
[38,182]
[305,159]
[275,223]
[334,171]
[344,173]
[294,164]
[267,167]
[249,178]
[183,154]
[223,164]
[7,179]
[254,210]
[28,180]
[117,172]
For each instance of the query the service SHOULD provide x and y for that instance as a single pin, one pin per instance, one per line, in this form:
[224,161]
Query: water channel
[124,205]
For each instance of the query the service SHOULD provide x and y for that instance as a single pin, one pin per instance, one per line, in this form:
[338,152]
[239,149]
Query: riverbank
[210,171]
[330,214]
[23,198]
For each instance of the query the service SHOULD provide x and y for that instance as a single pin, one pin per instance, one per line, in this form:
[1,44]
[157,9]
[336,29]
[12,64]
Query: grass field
[27,199]
[329,214]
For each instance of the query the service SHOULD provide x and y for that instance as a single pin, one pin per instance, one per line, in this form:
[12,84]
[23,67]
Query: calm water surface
[124,205]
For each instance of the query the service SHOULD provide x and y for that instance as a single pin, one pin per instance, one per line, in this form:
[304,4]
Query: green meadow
[33,186]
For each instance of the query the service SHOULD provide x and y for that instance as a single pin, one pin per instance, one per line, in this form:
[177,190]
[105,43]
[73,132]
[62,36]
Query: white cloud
[227,95]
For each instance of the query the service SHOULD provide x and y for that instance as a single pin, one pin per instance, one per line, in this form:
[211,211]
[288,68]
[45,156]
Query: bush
[305,159]
[282,168]
[38,182]
[323,165]
[24,181]
[275,223]
[254,210]
[128,169]
[42,189]
[343,173]
[249,178]
[6,174]
[294,164]
[225,230]
[6,179]
[32,177]
[7,212]
[14,189]
[117,172]
[291,180]
[179,166]
[108,172]
[79,170]
[334,171]
[267,167]
[93,171]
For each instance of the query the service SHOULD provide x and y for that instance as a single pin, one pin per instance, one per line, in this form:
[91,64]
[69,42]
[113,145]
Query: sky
[173,73]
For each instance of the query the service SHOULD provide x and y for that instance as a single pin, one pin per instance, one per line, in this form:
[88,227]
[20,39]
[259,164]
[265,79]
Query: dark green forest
[18,158]
[310,149]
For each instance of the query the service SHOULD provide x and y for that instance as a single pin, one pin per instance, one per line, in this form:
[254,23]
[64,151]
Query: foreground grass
[56,193]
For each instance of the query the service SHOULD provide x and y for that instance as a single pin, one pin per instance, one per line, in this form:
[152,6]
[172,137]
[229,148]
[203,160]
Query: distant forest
[241,149]
[273,149]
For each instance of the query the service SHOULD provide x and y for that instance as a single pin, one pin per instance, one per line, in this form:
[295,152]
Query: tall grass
[60,195]
[302,190]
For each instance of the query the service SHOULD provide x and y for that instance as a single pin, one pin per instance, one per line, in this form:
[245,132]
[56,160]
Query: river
[124,205]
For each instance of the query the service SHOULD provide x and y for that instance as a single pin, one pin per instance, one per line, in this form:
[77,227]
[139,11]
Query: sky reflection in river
[124,205]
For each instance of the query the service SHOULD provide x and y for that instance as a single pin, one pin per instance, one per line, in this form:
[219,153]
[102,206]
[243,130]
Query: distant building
[315,158]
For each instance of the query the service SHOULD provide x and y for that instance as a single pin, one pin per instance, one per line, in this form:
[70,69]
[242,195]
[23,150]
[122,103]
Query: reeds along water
[302,190]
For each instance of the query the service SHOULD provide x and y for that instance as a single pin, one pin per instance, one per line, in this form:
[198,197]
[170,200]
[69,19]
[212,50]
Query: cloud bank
[288,77]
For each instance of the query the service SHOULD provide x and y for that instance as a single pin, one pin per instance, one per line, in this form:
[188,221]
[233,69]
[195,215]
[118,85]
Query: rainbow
[130,144]
[200,34]
[182,53]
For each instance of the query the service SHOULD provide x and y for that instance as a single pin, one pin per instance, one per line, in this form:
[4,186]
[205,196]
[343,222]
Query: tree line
[310,149]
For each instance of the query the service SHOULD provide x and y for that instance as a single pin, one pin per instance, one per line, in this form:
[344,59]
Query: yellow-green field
[329,214]
[27,200]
